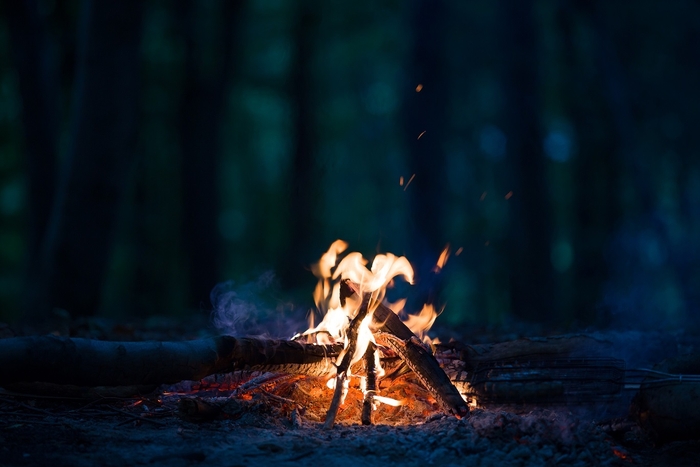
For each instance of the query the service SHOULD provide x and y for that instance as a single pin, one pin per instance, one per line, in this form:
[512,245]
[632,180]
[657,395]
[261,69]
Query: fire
[332,269]
[374,281]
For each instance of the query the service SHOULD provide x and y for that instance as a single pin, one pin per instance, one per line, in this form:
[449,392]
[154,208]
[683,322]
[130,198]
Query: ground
[279,422]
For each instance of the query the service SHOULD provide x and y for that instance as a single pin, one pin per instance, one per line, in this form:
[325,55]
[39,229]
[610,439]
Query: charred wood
[346,359]
[371,385]
[428,370]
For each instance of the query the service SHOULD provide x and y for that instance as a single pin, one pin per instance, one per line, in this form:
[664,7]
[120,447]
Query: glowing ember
[442,259]
[422,133]
[419,88]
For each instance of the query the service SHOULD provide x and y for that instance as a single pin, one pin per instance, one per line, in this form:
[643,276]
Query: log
[560,369]
[667,405]
[91,363]
[86,362]
[402,341]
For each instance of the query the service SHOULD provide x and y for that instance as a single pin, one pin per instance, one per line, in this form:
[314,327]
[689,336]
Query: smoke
[254,309]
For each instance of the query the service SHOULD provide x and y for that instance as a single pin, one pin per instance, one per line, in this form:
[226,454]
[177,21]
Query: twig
[349,351]
[277,398]
[371,385]
[137,417]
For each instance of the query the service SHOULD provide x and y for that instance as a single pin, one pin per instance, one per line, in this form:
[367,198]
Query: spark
[419,136]
[509,195]
[419,88]
[459,251]
[483,196]
[409,181]
[401,180]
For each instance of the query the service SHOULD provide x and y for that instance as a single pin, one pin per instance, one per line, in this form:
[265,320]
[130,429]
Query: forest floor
[279,423]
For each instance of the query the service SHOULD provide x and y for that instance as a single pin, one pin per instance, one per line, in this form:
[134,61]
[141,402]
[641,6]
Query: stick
[371,388]
[428,370]
[424,365]
[342,369]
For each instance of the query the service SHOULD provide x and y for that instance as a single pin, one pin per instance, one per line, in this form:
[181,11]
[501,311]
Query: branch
[86,362]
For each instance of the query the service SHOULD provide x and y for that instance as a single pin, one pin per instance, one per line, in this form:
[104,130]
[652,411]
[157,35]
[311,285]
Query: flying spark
[409,181]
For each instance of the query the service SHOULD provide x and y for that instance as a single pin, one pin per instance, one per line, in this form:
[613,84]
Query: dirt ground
[265,429]
[279,422]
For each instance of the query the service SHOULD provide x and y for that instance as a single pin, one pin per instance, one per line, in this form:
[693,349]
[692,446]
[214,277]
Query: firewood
[666,406]
[86,362]
[349,351]
[402,340]
[371,385]
[428,370]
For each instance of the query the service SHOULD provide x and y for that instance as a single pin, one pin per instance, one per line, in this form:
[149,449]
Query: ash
[264,436]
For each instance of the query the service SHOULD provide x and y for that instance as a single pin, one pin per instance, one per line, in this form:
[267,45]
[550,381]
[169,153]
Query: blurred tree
[425,123]
[595,166]
[530,274]
[93,177]
[209,65]
[305,179]
[35,61]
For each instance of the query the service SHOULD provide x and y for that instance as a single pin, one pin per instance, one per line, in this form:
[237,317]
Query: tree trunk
[597,176]
[93,178]
[426,125]
[303,200]
[531,275]
[35,62]
[209,65]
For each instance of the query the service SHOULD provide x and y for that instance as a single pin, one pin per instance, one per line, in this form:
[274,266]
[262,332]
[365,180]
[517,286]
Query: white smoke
[253,309]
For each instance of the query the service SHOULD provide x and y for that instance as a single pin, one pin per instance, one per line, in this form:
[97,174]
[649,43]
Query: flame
[353,267]
[332,270]
[421,323]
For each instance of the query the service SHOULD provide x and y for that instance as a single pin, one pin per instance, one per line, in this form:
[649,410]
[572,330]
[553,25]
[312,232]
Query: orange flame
[331,270]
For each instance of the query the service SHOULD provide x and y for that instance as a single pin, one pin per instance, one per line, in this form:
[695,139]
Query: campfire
[365,344]
[368,361]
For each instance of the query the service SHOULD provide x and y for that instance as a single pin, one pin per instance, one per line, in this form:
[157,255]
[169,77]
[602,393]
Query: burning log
[397,336]
[428,370]
[347,356]
[86,362]
[370,385]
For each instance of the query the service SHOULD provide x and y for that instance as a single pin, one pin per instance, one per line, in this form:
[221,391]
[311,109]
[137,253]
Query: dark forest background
[152,149]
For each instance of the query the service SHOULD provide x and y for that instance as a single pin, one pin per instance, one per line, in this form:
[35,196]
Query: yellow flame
[423,321]
[387,400]
[331,270]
